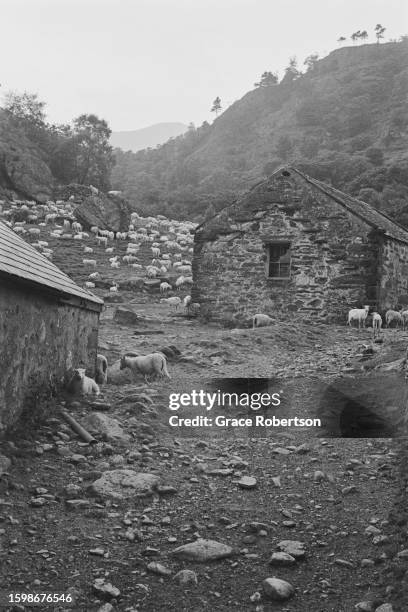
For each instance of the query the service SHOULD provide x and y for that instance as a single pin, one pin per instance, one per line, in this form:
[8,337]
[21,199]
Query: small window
[278,261]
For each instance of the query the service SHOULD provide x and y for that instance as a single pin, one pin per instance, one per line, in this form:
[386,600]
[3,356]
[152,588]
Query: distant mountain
[344,121]
[151,136]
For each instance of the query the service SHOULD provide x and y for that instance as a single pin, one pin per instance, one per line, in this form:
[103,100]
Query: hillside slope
[151,136]
[344,121]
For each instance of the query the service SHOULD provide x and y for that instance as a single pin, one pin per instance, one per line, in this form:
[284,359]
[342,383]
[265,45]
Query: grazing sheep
[164,287]
[67,224]
[155,252]
[187,302]
[94,275]
[151,272]
[377,324]
[148,365]
[404,315]
[88,250]
[109,250]
[261,320]
[102,240]
[34,231]
[81,384]
[358,314]
[114,288]
[115,264]
[179,282]
[77,227]
[89,285]
[172,301]
[94,229]
[393,315]
[89,262]
[78,237]
[101,373]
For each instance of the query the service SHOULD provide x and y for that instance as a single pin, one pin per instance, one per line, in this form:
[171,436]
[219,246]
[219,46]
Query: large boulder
[23,172]
[108,212]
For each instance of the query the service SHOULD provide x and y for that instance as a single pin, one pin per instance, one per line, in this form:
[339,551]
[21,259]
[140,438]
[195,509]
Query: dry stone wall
[393,270]
[40,340]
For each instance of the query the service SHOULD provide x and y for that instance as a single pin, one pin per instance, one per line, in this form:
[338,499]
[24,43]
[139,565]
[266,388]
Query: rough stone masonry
[294,244]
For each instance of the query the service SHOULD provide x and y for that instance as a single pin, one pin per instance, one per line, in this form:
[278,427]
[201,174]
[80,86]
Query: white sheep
[114,288]
[404,315]
[172,301]
[88,249]
[358,314]
[393,315]
[377,324]
[89,262]
[102,240]
[77,227]
[115,264]
[81,384]
[34,231]
[179,282]
[109,250]
[261,320]
[164,287]
[89,285]
[151,272]
[148,365]
[94,276]
[187,302]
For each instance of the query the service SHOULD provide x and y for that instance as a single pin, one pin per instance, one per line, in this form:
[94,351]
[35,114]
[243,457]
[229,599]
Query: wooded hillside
[344,121]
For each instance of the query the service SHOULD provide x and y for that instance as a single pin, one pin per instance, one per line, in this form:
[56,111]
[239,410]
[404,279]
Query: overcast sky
[140,62]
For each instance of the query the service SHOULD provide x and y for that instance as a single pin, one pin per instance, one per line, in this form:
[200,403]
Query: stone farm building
[47,325]
[294,244]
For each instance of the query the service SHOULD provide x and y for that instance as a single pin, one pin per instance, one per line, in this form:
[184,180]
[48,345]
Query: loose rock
[203,550]
[277,589]
[122,484]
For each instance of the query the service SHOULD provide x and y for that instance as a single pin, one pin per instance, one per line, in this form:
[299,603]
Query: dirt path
[340,497]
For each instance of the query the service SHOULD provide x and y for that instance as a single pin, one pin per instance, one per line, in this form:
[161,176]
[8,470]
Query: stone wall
[334,256]
[393,272]
[40,339]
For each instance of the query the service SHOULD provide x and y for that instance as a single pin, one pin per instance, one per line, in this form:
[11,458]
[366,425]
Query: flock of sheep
[400,318]
[170,242]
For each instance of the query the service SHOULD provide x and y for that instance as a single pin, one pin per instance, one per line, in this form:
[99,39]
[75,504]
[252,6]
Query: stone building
[295,244]
[48,325]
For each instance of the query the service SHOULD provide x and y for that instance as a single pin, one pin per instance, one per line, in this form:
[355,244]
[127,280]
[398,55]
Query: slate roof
[22,262]
[364,211]
[361,209]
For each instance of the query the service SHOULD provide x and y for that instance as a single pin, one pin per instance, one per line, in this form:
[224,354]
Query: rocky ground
[152,517]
